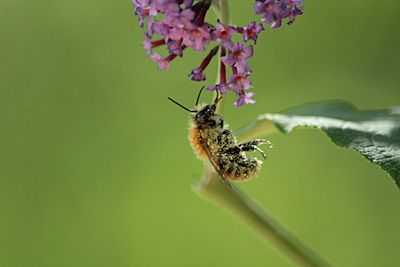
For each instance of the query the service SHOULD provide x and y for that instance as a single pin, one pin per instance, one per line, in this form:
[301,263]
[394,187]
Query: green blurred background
[96,169]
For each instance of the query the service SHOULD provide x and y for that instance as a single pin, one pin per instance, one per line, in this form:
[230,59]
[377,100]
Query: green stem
[213,188]
[224,11]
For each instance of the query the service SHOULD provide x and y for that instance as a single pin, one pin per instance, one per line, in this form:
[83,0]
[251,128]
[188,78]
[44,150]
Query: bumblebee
[213,142]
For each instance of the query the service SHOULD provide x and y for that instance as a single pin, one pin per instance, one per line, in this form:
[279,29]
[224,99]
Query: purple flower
[241,80]
[175,24]
[149,45]
[233,87]
[221,87]
[245,98]
[197,74]
[196,38]
[223,34]
[163,63]
[158,28]
[251,31]
[141,10]
[178,19]
[238,56]
[237,83]
[274,11]
[157,6]
[175,47]
[180,24]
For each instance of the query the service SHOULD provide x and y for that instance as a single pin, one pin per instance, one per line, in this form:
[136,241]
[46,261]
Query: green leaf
[375,134]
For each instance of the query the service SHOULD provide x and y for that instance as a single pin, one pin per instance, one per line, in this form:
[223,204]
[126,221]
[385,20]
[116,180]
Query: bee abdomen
[239,167]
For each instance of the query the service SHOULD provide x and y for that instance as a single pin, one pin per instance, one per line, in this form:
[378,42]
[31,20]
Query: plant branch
[213,189]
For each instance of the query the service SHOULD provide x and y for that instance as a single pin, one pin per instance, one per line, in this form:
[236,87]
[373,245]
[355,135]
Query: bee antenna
[198,96]
[217,98]
[182,106]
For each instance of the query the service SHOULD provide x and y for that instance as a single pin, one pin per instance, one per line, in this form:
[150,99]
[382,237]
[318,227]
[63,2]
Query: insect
[212,141]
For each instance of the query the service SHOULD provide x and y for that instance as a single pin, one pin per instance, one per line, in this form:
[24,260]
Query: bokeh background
[96,169]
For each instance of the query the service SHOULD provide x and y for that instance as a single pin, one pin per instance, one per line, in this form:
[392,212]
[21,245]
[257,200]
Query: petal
[228,60]
[248,51]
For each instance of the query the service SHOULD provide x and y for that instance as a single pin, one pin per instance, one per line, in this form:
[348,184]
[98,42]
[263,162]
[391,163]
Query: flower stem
[224,11]
[214,189]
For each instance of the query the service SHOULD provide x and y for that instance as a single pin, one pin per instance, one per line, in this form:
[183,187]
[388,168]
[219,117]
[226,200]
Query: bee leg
[252,146]
[262,152]
[257,142]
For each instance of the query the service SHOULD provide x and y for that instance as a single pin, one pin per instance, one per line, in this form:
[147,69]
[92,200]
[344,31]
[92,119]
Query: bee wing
[216,167]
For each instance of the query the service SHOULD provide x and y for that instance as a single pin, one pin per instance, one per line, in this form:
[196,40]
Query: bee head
[205,113]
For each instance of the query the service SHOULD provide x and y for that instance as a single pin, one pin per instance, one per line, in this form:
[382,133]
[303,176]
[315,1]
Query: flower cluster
[274,11]
[180,24]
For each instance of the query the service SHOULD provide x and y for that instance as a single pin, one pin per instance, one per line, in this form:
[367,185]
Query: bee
[213,142]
